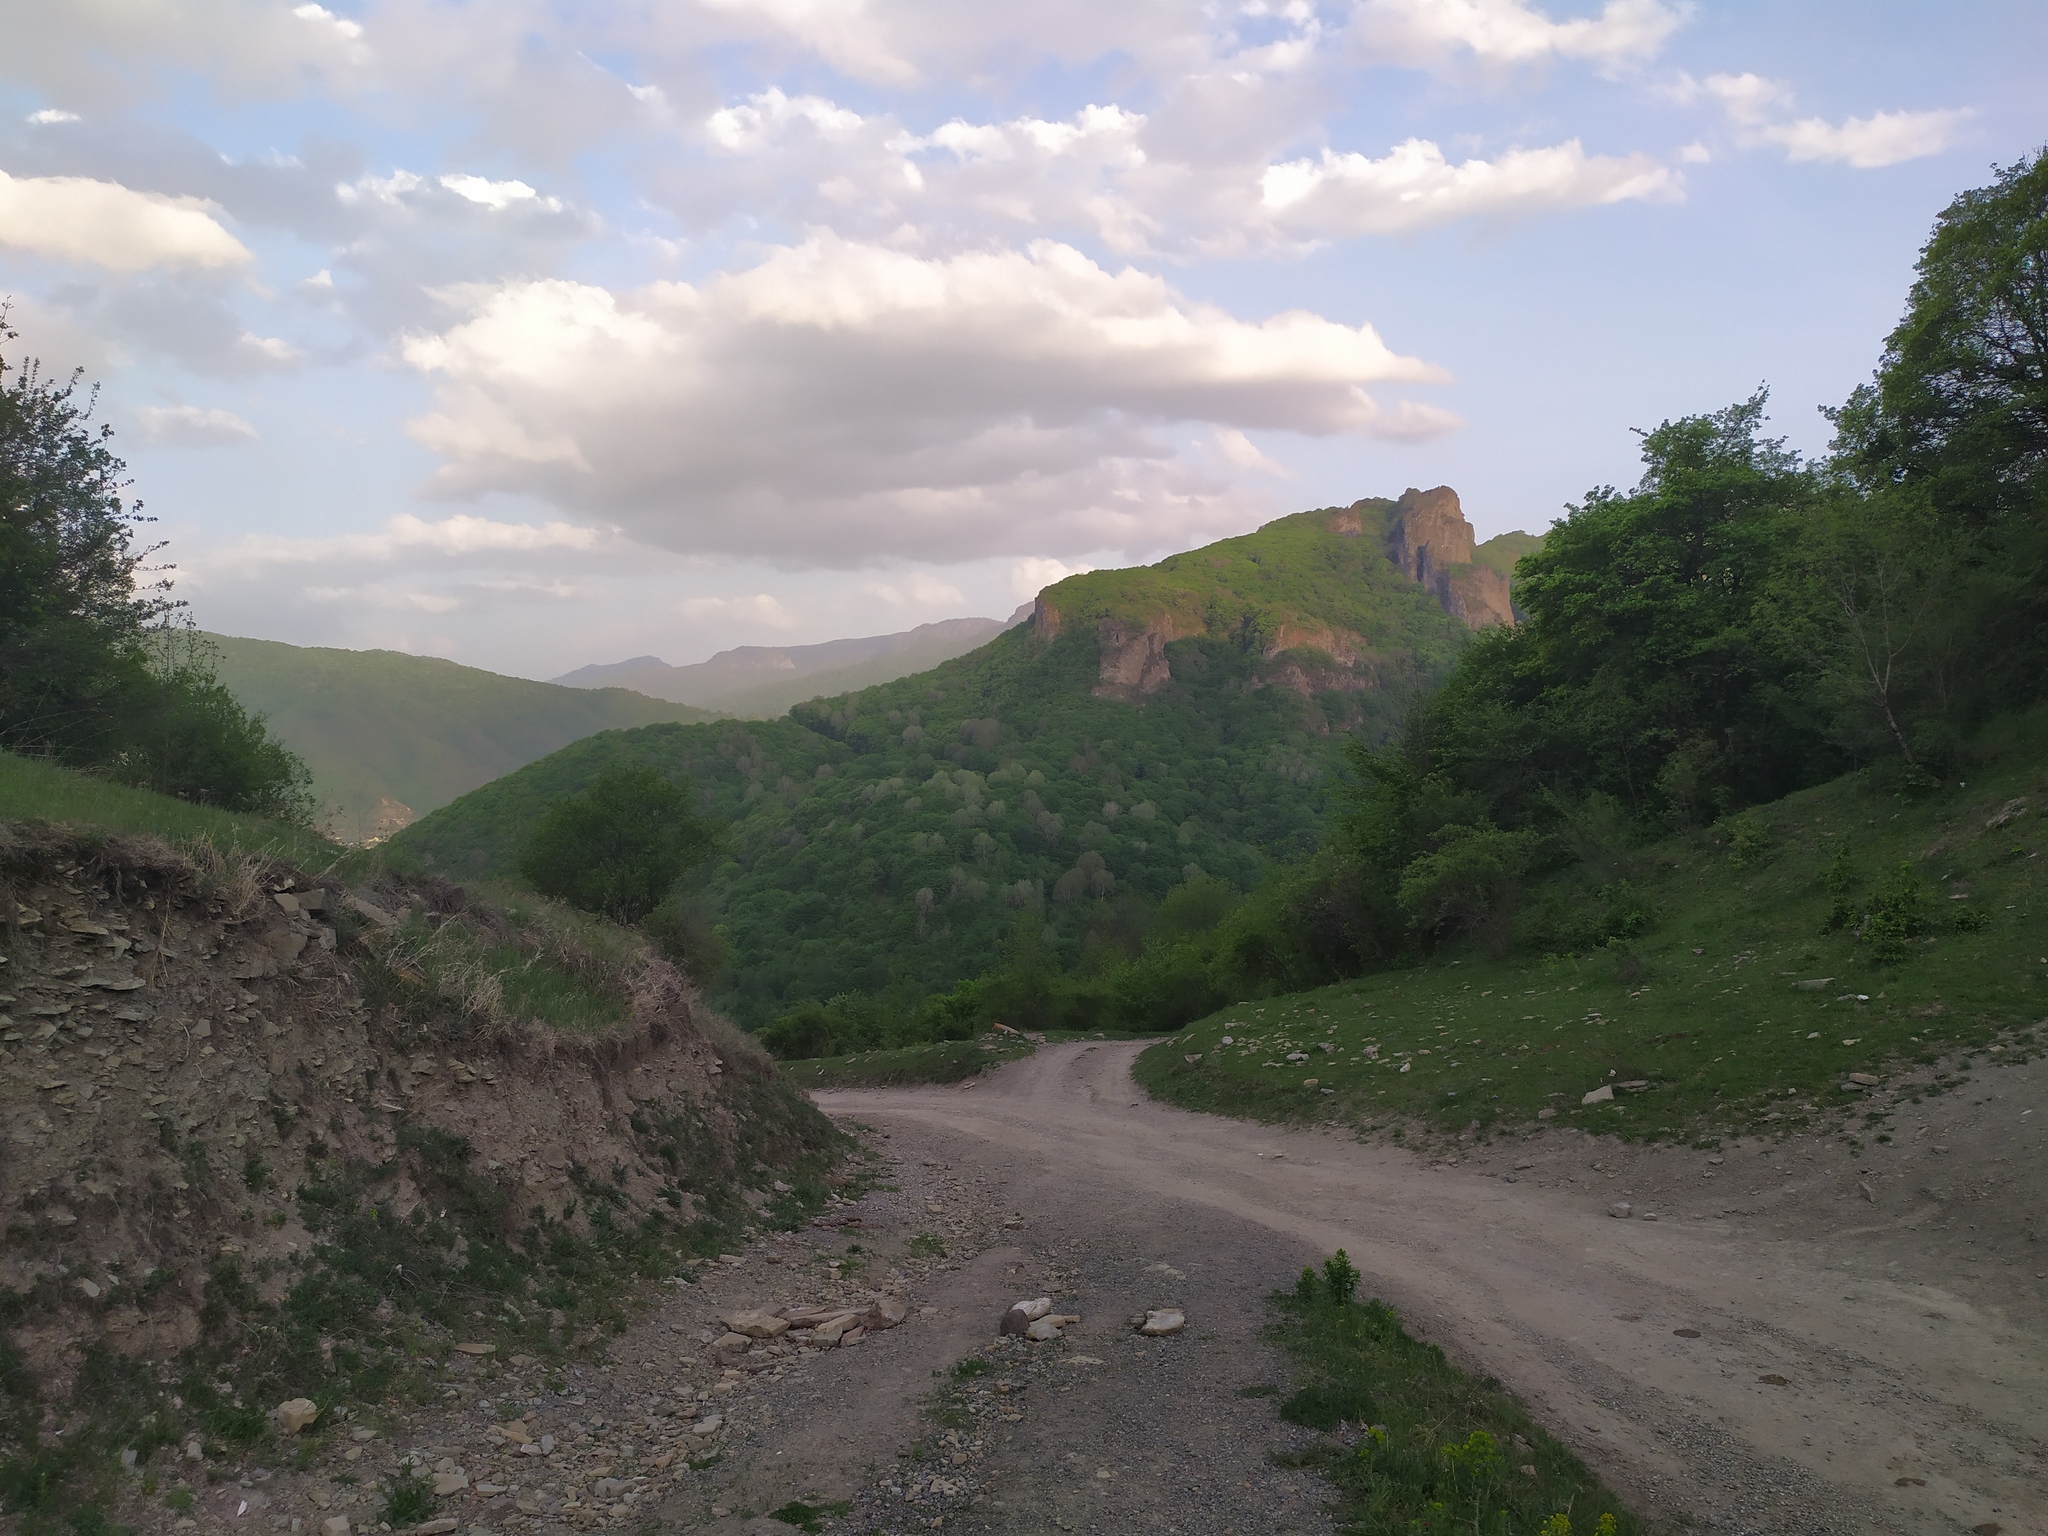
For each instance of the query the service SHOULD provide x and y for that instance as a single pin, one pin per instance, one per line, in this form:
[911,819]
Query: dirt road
[1773,1353]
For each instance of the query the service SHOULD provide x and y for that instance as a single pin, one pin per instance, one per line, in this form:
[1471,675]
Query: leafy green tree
[1469,882]
[93,669]
[620,846]
[1958,411]
[1643,668]
[1961,395]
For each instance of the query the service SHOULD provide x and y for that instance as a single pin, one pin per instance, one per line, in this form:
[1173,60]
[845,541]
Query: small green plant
[1750,841]
[180,1499]
[807,1517]
[926,1246]
[1839,881]
[408,1497]
[255,1172]
[1971,919]
[1896,917]
[1340,1278]
[971,1367]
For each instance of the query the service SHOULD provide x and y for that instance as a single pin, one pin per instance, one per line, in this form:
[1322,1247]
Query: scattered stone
[1042,1331]
[89,1289]
[1772,1379]
[1863,1079]
[755,1325]
[446,1483]
[1546,1114]
[1865,1191]
[705,1428]
[733,1343]
[1600,1095]
[477,1349]
[1622,1209]
[1161,1322]
[440,1527]
[335,1525]
[1814,984]
[295,1414]
[1685,1333]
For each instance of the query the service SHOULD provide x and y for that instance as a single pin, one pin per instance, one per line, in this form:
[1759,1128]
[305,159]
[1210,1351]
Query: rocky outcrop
[1134,656]
[1430,541]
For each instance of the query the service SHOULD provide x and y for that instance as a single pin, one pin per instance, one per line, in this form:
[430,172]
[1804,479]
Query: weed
[971,1367]
[408,1497]
[1440,1450]
[180,1499]
[926,1246]
[808,1517]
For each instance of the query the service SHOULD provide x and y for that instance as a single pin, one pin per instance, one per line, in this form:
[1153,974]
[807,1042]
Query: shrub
[620,846]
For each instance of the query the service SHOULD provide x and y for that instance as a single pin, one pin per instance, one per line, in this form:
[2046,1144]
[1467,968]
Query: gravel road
[1914,1393]
[1803,1342]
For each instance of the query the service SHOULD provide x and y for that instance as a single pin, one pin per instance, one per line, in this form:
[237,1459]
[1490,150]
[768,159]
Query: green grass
[1418,1445]
[33,790]
[1704,1008]
[946,1061]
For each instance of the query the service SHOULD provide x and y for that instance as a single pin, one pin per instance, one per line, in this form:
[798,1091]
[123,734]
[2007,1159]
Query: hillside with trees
[1176,728]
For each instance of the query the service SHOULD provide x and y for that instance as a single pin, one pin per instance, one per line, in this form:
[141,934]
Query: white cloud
[842,403]
[1430,34]
[52,115]
[77,219]
[1756,106]
[761,608]
[498,195]
[1031,576]
[191,426]
[920,589]
[407,536]
[1867,143]
[1415,187]
[1245,453]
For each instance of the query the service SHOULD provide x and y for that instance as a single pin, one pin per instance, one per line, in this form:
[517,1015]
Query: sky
[536,333]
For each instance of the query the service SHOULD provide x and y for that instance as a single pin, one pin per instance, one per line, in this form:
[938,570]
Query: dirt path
[1915,1384]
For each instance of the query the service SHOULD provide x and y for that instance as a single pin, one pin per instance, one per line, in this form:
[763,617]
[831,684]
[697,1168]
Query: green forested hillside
[391,736]
[892,842]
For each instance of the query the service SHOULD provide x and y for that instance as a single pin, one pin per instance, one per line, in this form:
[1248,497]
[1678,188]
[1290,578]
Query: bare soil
[1801,1341]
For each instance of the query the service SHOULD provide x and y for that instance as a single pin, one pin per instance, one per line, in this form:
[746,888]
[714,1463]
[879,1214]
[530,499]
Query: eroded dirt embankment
[192,1041]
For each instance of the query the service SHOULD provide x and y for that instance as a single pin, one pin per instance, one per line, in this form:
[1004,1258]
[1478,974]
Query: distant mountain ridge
[391,736]
[762,681]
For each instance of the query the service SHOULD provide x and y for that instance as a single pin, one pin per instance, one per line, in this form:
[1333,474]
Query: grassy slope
[1502,551]
[1710,1017]
[946,1061]
[422,731]
[31,790]
[1219,769]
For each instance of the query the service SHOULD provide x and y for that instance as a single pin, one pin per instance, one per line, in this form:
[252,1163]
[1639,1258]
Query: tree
[619,847]
[1961,396]
[72,620]
[1866,598]
[94,669]
[1642,668]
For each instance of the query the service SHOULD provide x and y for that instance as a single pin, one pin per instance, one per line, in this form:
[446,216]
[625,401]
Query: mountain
[762,681]
[390,737]
[1147,725]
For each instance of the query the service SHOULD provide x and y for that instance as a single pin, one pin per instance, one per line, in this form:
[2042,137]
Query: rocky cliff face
[1430,541]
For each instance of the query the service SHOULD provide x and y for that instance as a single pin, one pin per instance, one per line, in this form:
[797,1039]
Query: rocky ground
[1801,1341]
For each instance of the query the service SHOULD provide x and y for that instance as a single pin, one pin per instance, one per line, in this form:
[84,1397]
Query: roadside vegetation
[1731,979]
[1417,1446]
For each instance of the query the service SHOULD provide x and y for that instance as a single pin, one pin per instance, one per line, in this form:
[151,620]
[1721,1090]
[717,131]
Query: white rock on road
[1162,1321]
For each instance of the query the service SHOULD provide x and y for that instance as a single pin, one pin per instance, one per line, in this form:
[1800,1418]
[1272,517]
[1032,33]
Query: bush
[619,847]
